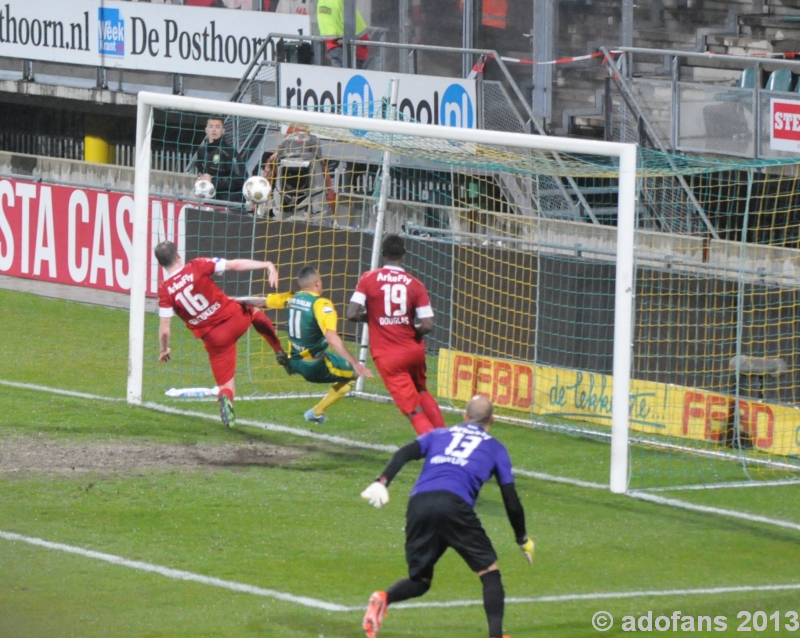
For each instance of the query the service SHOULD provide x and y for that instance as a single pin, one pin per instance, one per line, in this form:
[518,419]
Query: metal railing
[59,146]
[171,161]
[695,116]
[648,133]
[73,148]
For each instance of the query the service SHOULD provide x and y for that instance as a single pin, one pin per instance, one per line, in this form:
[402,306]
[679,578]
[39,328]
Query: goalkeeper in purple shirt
[440,514]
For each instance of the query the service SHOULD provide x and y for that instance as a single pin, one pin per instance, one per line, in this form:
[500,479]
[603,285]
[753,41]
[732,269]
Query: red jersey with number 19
[194,296]
[393,299]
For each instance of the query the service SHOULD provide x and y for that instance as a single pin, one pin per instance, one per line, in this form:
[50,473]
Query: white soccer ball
[256,189]
[204,189]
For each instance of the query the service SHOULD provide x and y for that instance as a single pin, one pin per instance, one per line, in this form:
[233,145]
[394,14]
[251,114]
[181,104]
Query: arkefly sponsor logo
[358,98]
[456,108]
[111,32]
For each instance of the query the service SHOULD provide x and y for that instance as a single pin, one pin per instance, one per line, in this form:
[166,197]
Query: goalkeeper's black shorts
[438,520]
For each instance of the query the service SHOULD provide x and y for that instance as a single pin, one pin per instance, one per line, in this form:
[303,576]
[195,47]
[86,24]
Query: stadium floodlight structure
[437,143]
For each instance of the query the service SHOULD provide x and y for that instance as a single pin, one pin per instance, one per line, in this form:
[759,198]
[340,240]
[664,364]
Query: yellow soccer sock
[337,391]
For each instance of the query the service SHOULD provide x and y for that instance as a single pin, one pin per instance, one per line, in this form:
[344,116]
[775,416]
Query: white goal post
[624,284]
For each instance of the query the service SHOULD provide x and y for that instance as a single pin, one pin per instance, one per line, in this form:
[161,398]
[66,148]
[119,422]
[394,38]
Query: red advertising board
[784,125]
[79,236]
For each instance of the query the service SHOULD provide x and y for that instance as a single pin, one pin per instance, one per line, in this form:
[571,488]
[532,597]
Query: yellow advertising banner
[653,408]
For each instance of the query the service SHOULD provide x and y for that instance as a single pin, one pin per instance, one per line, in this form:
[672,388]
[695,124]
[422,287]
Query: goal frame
[624,285]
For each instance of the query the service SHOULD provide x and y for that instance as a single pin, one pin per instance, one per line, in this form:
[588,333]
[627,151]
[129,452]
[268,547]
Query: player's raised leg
[266,329]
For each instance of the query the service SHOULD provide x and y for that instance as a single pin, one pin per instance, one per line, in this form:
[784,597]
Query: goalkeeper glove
[527,549]
[376,494]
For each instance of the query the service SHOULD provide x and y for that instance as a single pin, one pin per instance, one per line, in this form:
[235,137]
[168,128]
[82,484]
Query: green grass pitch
[282,512]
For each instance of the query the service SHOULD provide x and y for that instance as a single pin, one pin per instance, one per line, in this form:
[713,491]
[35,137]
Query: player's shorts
[329,368]
[220,343]
[404,376]
[438,520]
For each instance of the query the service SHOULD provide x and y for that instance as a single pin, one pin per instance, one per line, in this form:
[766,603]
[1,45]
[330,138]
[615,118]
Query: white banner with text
[424,98]
[79,236]
[141,36]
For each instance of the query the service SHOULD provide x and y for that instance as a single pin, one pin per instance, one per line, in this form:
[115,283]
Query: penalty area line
[710,591]
[176,574]
[305,601]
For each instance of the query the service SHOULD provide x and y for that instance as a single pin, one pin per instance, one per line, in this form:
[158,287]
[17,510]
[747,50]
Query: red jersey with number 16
[393,299]
[194,296]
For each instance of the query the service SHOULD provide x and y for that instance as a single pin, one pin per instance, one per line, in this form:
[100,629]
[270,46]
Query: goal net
[583,298]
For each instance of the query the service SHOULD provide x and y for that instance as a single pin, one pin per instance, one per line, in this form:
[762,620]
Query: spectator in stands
[330,19]
[218,163]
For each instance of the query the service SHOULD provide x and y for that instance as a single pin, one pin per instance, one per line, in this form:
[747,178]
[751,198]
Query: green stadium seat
[780,80]
[748,79]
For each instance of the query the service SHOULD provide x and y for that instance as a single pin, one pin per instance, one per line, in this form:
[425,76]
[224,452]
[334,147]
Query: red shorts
[220,344]
[404,377]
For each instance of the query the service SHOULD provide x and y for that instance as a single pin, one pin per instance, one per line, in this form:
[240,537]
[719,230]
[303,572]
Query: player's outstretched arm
[516,516]
[256,302]
[163,339]
[335,342]
[377,493]
[273,301]
[240,265]
[424,326]
[356,312]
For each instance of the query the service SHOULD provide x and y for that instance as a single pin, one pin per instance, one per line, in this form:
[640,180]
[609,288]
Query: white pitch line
[722,486]
[313,603]
[753,518]
[177,573]
[607,596]
[66,393]
[263,425]
[338,440]
[542,476]
[274,427]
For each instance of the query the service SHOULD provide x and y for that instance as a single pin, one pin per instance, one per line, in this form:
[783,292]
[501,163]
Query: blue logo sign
[357,98]
[111,32]
[456,108]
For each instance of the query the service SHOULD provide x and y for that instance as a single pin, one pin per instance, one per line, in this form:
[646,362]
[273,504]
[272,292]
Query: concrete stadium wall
[76,173]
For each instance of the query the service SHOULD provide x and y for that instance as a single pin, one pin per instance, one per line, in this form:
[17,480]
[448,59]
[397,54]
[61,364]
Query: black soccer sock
[494,598]
[405,589]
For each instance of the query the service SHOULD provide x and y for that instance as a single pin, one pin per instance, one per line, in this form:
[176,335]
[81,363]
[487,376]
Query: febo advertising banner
[654,408]
[784,130]
[426,99]
[79,236]
[141,36]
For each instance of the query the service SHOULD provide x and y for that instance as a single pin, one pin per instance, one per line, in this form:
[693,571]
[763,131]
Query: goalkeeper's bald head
[479,410]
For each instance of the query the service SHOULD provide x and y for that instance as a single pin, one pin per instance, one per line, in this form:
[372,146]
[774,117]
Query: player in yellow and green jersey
[312,334]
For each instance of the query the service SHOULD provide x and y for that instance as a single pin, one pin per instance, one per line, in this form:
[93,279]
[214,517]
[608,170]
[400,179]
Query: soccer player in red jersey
[211,315]
[391,301]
